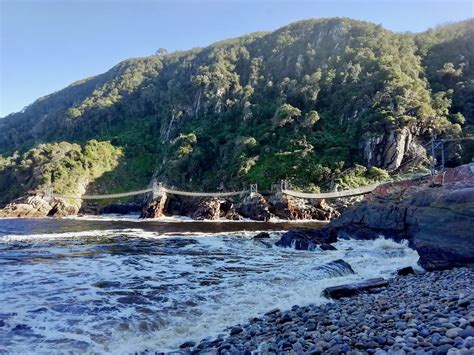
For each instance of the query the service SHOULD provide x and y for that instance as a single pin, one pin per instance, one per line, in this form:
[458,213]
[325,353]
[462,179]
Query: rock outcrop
[38,206]
[292,208]
[208,209]
[435,214]
[306,239]
[155,207]
[390,149]
[255,207]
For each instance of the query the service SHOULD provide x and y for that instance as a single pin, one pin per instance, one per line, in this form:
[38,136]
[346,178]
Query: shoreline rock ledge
[434,214]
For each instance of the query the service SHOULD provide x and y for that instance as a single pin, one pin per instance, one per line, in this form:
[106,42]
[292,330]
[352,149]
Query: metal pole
[432,158]
[442,155]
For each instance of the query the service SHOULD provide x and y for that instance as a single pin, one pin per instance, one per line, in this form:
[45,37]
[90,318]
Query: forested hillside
[306,102]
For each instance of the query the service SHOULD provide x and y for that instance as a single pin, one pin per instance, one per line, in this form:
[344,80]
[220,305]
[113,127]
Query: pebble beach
[424,313]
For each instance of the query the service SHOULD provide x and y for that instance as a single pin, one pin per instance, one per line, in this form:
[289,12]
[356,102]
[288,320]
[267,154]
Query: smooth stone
[453,332]
[468,332]
[236,330]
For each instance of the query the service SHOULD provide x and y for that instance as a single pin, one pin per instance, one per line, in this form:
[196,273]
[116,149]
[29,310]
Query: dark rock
[405,271]
[336,268]
[306,239]
[464,303]
[285,318]
[349,290]
[255,207]
[236,330]
[121,208]
[188,344]
[273,311]
[327,247]
[437,221]
[262,235]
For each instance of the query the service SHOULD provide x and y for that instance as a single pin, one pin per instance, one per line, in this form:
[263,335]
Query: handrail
[336,194]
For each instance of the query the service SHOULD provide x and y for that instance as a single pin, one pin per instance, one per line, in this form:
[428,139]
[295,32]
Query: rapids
[116,285]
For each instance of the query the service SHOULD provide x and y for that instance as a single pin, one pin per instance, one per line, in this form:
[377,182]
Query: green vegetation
[301,103]
[65,167]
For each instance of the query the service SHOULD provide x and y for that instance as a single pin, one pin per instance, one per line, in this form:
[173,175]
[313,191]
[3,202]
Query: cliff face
[304,103]
[436,216]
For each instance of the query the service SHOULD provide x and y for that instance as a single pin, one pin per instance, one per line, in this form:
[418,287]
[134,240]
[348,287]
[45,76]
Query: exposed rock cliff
[38,206]
[435,215]
[391,148]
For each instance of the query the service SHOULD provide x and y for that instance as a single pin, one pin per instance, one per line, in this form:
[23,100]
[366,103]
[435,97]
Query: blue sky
[47,44]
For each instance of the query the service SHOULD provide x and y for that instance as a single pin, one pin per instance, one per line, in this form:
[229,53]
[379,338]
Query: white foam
[191,291]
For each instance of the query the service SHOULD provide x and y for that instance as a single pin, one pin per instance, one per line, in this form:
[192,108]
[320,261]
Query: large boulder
[435,214]
[306,239]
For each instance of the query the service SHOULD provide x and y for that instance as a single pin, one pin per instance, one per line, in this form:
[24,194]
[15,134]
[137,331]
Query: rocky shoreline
[423,313]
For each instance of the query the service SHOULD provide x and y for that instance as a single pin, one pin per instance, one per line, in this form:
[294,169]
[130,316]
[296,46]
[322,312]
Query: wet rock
[187,344]
[336,268]
[327,247]
[305,239]
[236,330]
[262,235]
[405,271]
[435,218]
[349,290]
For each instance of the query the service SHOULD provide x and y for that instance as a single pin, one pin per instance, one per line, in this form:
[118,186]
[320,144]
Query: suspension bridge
[157,189]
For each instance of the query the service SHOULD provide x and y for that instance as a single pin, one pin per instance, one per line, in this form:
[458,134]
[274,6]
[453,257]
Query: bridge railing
[159,189]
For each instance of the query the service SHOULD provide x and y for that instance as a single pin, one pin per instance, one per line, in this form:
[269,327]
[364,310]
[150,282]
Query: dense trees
[297,103]
[66,168]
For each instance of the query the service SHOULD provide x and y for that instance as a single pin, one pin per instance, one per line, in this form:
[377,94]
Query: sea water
[118,285]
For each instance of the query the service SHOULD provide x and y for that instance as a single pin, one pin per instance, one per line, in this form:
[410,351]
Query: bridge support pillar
[48,194]
[437,146]
[253,190]
[157,189]
[284,184]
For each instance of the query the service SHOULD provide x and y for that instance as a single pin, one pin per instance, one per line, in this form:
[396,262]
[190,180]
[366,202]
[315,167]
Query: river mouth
[121,286]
